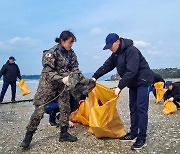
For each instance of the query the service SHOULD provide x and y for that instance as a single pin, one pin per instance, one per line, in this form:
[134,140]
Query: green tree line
[168,72]
[164,72]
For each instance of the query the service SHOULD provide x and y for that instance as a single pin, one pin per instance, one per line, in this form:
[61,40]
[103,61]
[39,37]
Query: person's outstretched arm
[108,66]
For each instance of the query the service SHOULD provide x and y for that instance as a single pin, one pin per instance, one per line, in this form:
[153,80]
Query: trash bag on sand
[169,107]
[100,113]
[82,114]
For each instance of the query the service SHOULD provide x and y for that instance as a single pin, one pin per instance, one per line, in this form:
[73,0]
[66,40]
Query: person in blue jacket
[137,76]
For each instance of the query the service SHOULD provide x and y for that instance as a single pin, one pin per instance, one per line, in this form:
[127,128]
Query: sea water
[33,84]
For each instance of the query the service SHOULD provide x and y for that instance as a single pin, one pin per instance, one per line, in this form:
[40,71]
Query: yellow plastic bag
[82,114]
[24,88]
[169,107]
[104,119]
[159,91]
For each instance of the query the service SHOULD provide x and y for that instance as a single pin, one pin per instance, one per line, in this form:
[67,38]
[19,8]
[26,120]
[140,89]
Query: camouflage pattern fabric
[55,67]
[64,107]
[78,84]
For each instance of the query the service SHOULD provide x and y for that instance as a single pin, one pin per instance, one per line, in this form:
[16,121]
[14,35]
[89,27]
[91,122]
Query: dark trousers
[138,104]
[5,87]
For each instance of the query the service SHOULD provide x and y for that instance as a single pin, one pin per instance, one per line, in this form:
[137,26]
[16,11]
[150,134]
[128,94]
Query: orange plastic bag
[159,91]
[169,107]
[82,114]
[104,119]
[24,88]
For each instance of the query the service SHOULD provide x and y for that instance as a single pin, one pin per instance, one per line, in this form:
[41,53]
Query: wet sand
[163,132]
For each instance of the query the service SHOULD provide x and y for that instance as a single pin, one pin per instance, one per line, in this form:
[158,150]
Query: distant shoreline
[36,78]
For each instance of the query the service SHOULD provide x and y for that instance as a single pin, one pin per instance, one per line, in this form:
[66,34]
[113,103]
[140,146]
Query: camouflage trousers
[64,107]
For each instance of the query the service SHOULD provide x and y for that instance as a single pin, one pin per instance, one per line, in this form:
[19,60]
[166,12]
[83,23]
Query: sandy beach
[163,131]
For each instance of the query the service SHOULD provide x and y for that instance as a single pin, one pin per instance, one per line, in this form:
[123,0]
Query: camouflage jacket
[55,66]
[56,60]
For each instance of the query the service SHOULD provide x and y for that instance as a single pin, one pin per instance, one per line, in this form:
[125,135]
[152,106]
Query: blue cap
[167,84]
[110,39]
[12,58]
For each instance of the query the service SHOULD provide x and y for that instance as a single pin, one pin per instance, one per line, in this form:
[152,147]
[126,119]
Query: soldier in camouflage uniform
[59,63]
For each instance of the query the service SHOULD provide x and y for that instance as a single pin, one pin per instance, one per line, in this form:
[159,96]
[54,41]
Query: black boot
[27,139]
[65,136]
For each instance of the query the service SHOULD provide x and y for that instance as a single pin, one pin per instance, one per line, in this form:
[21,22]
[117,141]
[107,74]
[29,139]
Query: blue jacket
[131,66]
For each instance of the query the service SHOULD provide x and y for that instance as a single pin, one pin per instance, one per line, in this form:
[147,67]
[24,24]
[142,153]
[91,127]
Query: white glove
[171,99]
[94,79]
[117,91]
[65,80]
